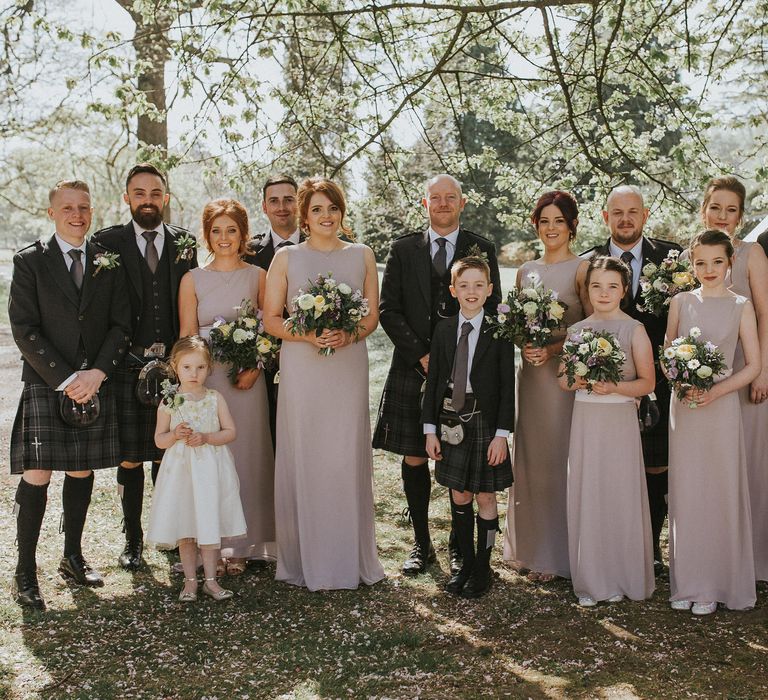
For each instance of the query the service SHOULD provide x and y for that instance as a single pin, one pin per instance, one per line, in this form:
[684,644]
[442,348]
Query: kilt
[398,426]
[41,440]
[656,441]
[137,421]
[464,467]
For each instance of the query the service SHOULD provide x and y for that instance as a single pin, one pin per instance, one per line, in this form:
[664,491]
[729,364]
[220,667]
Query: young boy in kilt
[70,318]
[470,384]
[156,256]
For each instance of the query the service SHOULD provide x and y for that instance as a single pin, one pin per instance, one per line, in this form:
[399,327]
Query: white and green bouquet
[659,283]
[529,315]
[592,355]
[172,400]
[243,343]
[327,305]
[690,363]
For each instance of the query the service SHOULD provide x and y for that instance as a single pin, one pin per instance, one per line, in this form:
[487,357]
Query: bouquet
[242,343]
[327,304]
[172,400]
[529,314]
[659,283]
[690,363]
[595,356]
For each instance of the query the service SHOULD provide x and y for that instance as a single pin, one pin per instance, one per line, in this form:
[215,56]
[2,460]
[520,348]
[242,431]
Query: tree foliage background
[511,97]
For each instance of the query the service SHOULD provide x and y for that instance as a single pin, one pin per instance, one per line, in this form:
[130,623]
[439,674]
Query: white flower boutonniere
[106,261]
[185,247]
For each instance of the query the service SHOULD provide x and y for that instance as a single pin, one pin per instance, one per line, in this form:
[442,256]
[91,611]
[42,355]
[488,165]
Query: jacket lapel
[483,342]
[89,281]
[129,254]
[58,268]
[423,264]
[451,328]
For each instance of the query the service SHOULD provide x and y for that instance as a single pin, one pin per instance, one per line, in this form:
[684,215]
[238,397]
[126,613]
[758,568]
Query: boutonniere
[474,252]
[106,261]
[185,247]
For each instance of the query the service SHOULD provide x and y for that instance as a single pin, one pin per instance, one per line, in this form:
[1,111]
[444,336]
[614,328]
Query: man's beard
[627,238]
[147,219]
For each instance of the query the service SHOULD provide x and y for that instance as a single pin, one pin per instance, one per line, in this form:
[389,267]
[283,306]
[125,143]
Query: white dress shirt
[450,247]
[637,260]
[277,240]
[142,243]
[472,338]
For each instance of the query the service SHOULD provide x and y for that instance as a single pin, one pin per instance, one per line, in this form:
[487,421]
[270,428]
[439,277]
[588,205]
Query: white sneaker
[680,605]
[615,598]
[587,602]
[704,608]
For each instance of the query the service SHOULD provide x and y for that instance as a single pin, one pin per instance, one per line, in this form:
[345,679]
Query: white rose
[250,322]
[345,289]
[306,302]
[659,284]
[530,309]
[240,335]
[695,332]
[649,269]
[264,345]
[580,369]
[704,371]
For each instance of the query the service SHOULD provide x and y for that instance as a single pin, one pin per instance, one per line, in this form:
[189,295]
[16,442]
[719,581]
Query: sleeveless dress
[536,533]
[218,293]
[196,495]
[609,526]
[710,528]
[324,463]
[754,419]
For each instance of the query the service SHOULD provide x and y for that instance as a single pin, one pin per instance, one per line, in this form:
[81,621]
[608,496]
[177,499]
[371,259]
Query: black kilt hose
[398,425]
[40,439]
[137,421]
[464,467]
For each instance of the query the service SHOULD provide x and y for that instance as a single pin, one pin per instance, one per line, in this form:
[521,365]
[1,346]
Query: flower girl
[710,533]
[607,360]
[197,496]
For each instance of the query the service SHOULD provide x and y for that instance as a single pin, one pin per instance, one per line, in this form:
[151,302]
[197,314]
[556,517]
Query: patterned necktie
[283,244]
[150,254]
[461,368]
[76,268]
[627,257]
[440,261]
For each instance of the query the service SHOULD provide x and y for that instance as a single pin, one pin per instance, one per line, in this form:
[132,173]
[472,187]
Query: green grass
[402,638]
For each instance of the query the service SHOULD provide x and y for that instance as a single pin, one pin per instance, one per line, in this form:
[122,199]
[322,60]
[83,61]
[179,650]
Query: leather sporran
[648,412]
[79,415]
[149,390]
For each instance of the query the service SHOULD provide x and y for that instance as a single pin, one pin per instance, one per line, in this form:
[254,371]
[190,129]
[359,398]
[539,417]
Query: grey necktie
[150,254]
[440,261]
[76,268]
[283,244]
[460,368]
[627,257]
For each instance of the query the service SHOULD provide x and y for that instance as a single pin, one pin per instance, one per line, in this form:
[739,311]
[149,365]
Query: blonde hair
[68,185]
[471,262]
[190,344]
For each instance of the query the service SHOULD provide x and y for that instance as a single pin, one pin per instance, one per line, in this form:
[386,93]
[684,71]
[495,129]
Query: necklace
[226,275]
[326,253]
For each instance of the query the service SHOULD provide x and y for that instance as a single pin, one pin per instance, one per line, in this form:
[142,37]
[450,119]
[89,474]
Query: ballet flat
[223,594]
[186,596]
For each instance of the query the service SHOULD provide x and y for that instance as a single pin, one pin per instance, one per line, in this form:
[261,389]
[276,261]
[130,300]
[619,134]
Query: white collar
[476,322]
[636,250]
[294,238]
[66,247]
[138,230]
[451,237]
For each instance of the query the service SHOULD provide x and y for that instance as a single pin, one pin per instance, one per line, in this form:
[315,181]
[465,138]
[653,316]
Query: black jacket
[122,239]
[405,306]
[492,375]
[53,323]
[260,253]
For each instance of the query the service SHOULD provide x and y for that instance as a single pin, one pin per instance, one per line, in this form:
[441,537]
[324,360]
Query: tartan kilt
[41,440]
[656,441]
[398,426]
[464,467]
[137,421]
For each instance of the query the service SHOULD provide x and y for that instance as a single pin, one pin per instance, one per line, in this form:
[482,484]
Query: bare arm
[262,288]
[164,436]
[581,288]
[187,307]
[757,270]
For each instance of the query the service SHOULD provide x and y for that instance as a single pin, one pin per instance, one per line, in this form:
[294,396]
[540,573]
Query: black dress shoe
[458,581]
[479,582]
[420,558]
[27,592]
[455,559]
[76,568]
[130,559]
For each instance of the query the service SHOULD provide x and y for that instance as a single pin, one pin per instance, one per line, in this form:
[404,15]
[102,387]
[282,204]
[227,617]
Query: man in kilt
[626,215]
[414,297]
[155,256]
[279,204]
[70,318]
